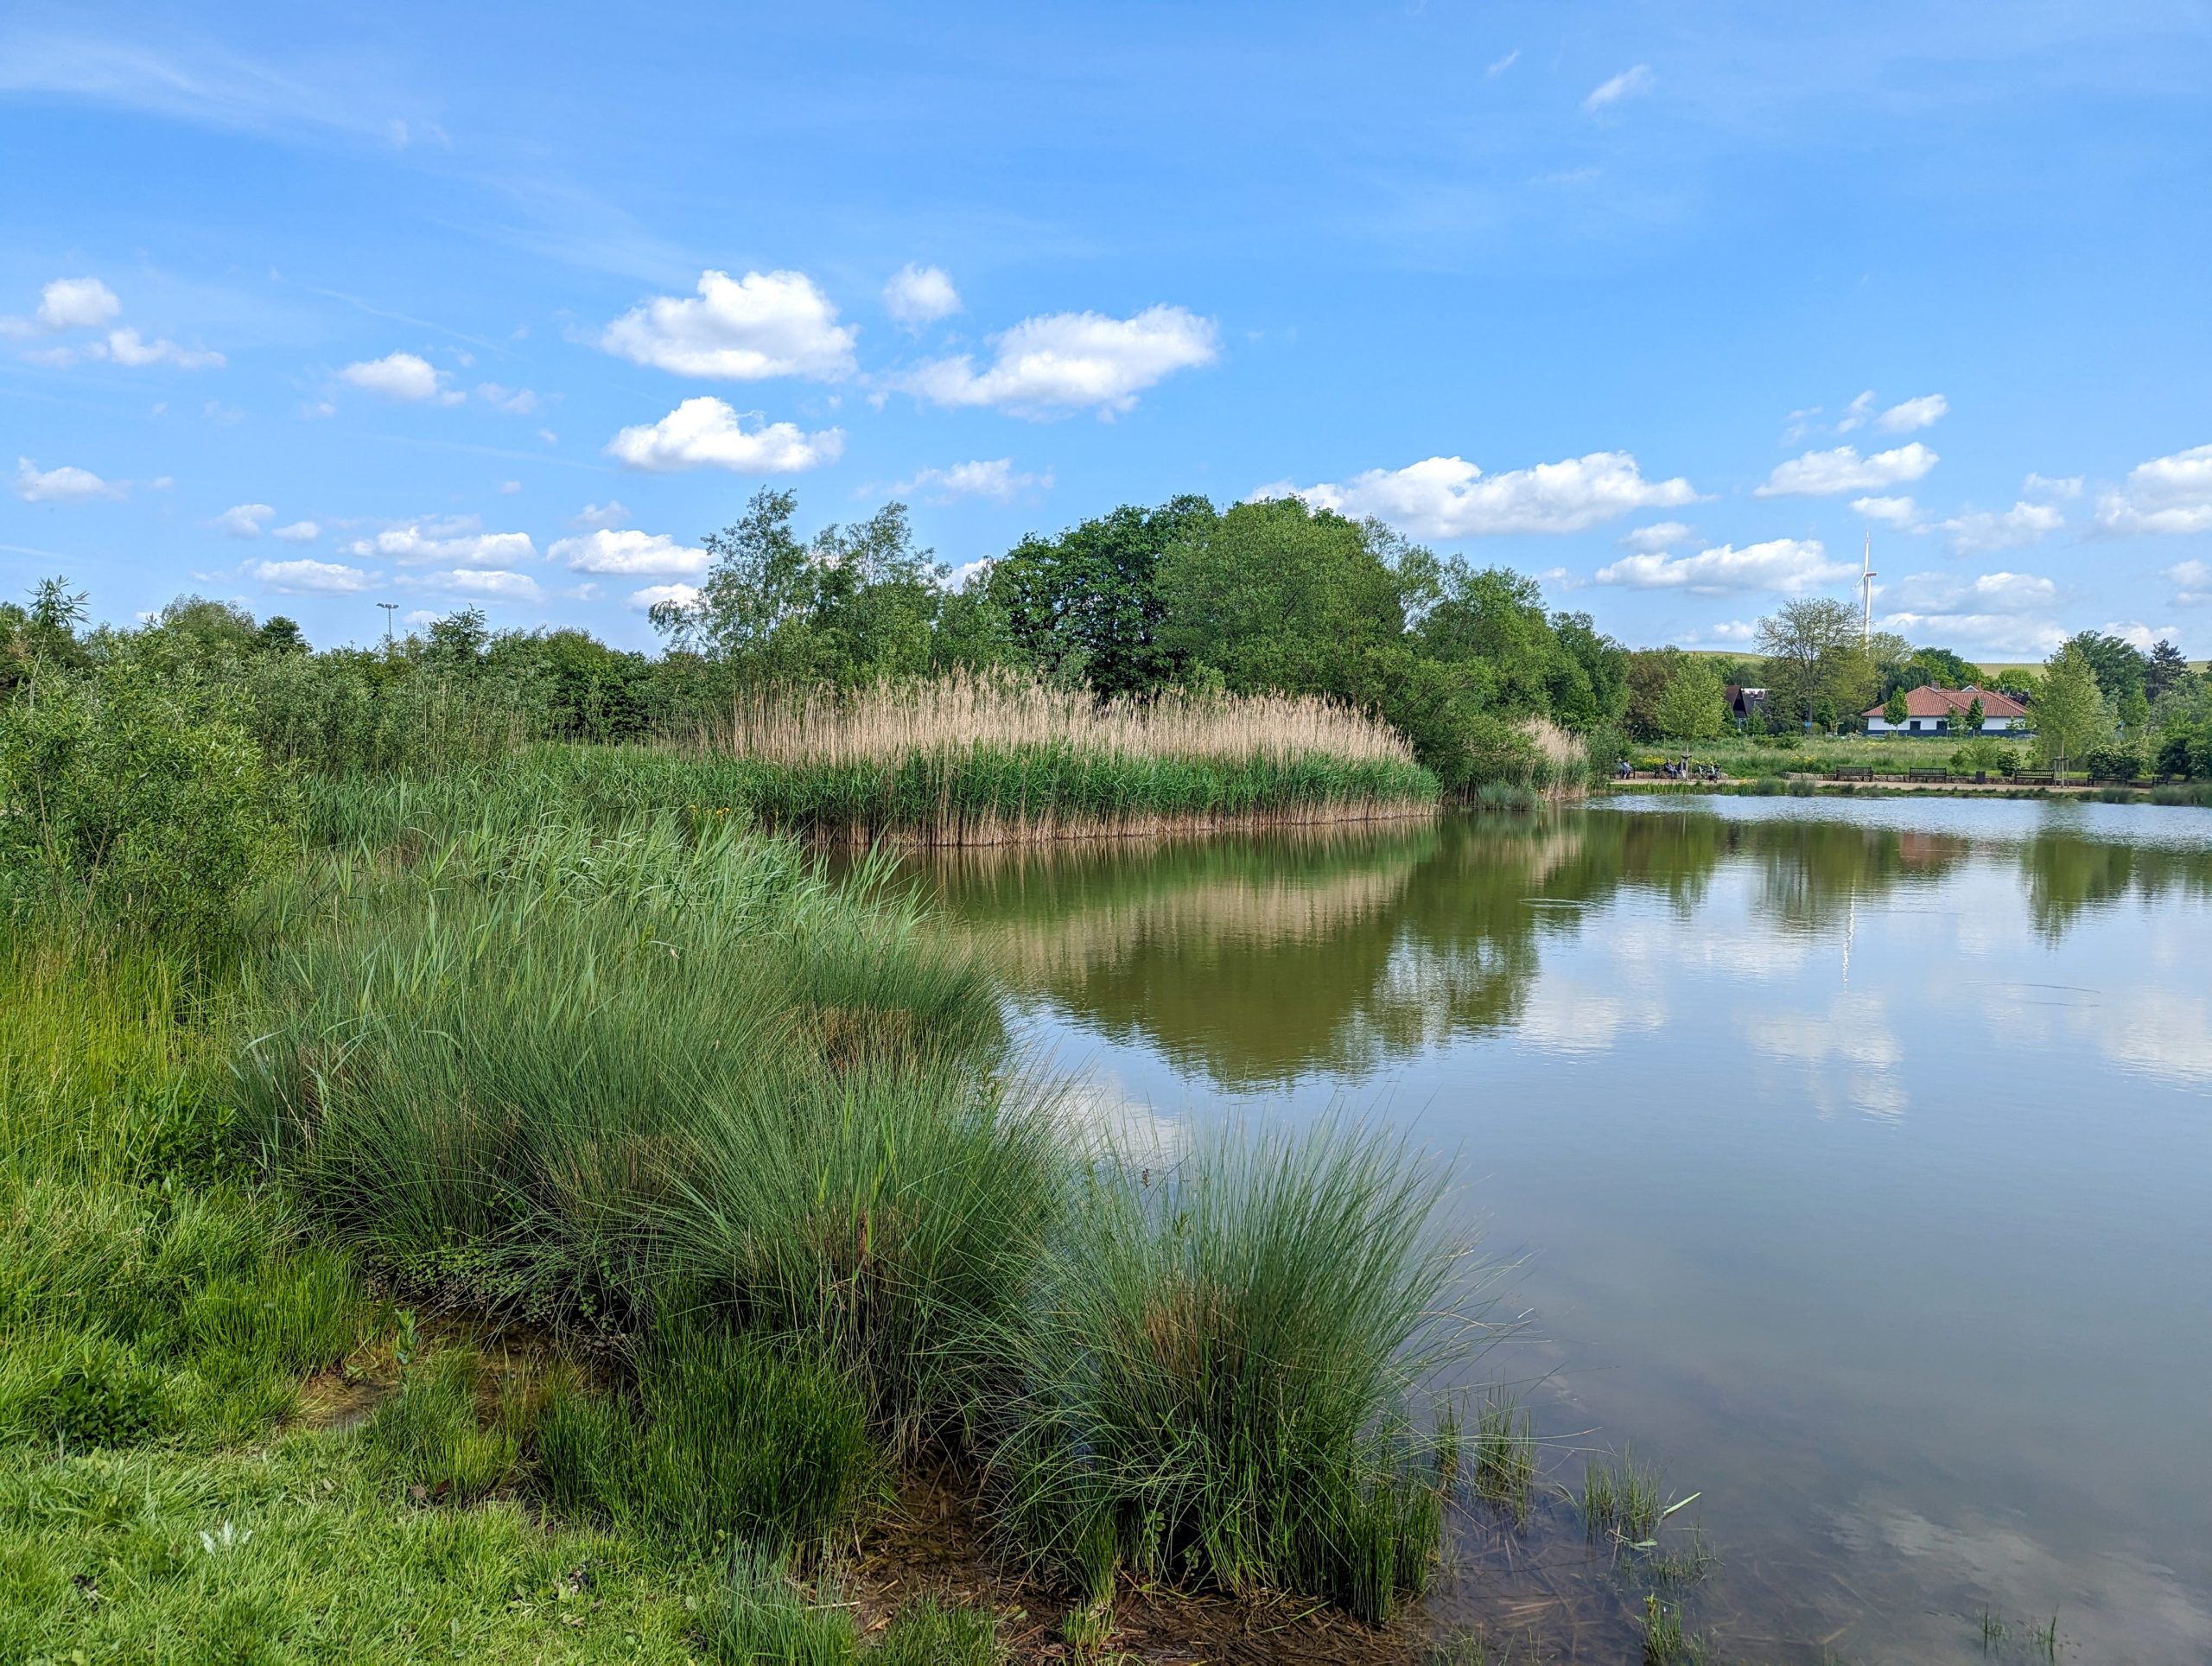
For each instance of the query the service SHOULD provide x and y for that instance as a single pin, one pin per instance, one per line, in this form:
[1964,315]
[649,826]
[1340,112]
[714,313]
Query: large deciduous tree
[2069,708]
[1692,708]
[1816,656]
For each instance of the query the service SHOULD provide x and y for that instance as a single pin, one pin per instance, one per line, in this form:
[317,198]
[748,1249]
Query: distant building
[1931,711]
[1746,706]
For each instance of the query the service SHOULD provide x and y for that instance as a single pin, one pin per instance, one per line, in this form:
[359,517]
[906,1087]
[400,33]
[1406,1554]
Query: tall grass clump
[728,1436]
[764,1619]
[1218,1381]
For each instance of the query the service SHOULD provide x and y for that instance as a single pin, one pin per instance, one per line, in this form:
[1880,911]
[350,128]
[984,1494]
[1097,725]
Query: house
[1931,711]
[1747,706]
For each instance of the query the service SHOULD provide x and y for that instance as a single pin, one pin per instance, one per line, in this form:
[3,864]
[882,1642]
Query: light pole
[390,609]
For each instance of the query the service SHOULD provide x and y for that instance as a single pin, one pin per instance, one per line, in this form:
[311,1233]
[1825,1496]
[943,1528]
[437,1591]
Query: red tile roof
[1928,701]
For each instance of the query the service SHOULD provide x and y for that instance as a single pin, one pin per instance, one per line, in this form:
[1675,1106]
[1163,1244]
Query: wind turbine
[1867,591]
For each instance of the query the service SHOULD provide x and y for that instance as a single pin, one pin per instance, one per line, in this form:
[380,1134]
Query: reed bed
[893,721]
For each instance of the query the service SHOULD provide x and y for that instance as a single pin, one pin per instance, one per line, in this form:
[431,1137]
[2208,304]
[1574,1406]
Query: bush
[1217,1378]
[113,791]
[731,1437]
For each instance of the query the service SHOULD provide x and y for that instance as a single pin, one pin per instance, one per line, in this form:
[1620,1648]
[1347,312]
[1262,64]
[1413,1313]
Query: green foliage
[1895,712]
[1816,659]
[116,794]
[763,1620]
[732,1437]
[2069,712]
[934,1633]
[2120,668]
[1218,1363]
[1692,708]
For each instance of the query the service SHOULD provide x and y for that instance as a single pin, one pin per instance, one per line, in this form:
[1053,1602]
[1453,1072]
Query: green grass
[1218,1372]
[1505,1457]
[1621,1499]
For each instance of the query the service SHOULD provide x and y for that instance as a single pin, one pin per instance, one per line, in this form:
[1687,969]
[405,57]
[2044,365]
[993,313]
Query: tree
[1895,710]
[1086,606]
[1693,707]
[1814,653]
[1648,673]
[2070,713]
[2118,667]
[2134,713]
[2169,670]
[1970,723]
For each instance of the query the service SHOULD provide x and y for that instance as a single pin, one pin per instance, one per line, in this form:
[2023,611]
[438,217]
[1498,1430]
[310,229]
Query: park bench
[1852,773]
[2034,778]
[1938,775]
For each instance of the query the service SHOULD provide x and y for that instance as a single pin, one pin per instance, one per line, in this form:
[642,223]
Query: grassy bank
[542,1220]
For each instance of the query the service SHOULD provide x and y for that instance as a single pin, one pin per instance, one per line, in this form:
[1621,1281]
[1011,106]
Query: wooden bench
[1852,773]
[2034,778]
[1936,775]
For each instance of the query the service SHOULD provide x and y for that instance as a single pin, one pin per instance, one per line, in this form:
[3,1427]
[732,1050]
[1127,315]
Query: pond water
[1852,1160]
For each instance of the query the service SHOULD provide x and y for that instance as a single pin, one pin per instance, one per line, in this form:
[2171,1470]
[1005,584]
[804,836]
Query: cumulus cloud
[70,303]
[127,346]
[2167,494]
[1786,564]
[299,531]
[520,401]
[1061,362]
[1990,530]
[1823,474]
[1991,593]
[738,329]
[63,484]
[310,578]
[244,520]
[2192,582]
[1631,83]
[1900,512]
[1989,633]
[1906,416]
[684,596]
[993,479]
[630,554]
[2045,486]
[490,583]
[705,433]
[1660,535]
[404,375]
[921,295]
[610,513]
[421,543]
[1451,498]
[2142,638]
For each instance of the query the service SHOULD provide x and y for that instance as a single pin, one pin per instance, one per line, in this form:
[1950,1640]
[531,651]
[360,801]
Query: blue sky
[316,308]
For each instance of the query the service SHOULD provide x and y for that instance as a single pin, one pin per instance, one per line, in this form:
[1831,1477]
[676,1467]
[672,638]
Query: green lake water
[1851,1161]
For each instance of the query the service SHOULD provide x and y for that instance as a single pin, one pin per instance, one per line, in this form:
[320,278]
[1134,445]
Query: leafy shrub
[114,789]
[2112,761]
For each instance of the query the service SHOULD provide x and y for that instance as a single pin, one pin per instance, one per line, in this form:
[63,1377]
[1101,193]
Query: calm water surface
[1852,1159]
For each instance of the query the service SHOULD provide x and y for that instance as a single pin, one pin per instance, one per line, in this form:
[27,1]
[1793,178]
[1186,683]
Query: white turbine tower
[1867,591]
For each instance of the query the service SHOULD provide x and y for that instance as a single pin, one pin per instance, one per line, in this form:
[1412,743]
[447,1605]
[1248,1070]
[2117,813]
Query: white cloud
[1910,415]
[1822,473]
[1498,67]
[492,583]
[1731,630]
[1072,361]
[520,401]
[2045,486]
[2192,581]
[703,432]
[508,489]
[993,479]
[1660,535]
[63,484]
[921,295]
[1900,512]
[126,346]
[421,543]
[70,303]
[683,595]
[299,531]
[1788,564]
[1989,530]
[1995,633]
[738,330]
[310,578]
[2140,637]
[1629,84]
[397,376]
[1991,593]
[1855,414]
[630,554]
[1450,498]
[610,513]
[2167,494]
[244,520]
